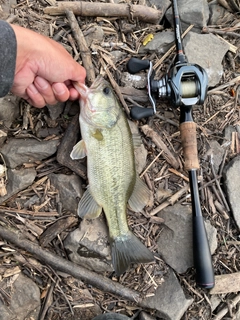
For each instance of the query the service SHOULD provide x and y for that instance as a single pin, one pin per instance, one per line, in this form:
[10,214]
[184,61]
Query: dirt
[219,111]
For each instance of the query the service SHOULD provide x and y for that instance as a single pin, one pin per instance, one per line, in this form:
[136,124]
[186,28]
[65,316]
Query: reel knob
[138,113]
[135,65]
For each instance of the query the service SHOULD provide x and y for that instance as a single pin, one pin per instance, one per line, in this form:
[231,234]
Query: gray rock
[199,49]
[218,14]
[88,246]
[18,180]
[175,241]
[232,185]
[161,42]
[56,110]
[70,190]
[191,12]
[25,301]
[8,110]
[169,301]
[19,151]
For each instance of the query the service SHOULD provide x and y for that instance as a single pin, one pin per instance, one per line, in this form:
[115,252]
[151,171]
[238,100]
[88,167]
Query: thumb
[78,72]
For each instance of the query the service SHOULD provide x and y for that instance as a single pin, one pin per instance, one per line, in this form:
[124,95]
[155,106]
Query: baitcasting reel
[184,85]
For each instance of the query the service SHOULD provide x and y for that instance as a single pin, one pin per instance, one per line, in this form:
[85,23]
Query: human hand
[44,70]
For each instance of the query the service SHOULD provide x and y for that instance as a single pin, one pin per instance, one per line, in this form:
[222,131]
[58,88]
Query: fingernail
[42,83]
[33,89]
[59,88]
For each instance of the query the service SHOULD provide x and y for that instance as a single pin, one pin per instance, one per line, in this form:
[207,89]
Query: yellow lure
[147,39]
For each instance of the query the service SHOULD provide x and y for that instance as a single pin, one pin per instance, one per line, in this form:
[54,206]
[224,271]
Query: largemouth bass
[108,144]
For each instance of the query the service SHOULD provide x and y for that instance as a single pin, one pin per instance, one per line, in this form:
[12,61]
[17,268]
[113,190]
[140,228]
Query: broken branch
[61,264]
[99,9]
[82,45]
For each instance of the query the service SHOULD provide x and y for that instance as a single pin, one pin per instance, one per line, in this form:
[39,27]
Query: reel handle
[138,113]
[135,65]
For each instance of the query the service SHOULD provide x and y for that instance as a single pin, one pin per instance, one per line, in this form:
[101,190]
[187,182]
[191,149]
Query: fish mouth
[84,92]
[82,89]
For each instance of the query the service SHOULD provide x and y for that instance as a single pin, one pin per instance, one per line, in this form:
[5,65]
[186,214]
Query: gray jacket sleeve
[8,49]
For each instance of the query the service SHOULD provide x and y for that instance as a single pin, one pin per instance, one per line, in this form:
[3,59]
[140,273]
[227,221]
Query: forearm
[8,50]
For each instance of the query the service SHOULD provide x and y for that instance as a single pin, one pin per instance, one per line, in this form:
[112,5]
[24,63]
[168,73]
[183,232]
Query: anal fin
[88,208]
[140,197]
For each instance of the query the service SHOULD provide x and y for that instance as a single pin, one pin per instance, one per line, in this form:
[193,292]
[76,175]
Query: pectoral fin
[79,151]
[140,197]
[88,208]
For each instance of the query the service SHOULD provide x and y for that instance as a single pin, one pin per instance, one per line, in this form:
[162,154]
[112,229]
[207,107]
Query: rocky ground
[40,234]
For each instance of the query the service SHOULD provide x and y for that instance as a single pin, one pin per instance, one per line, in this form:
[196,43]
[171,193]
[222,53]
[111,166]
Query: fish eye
[106,90]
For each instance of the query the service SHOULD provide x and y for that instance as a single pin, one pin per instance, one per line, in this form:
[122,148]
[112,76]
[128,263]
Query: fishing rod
[185,85]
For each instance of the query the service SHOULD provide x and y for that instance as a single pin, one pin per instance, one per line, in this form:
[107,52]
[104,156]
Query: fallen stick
[167,154]
[99,9]
[225,85]
[61,264]
[82,45]
[226,283]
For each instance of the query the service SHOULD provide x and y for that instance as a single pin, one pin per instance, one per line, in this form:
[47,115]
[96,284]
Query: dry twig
[82,45]
[100,9]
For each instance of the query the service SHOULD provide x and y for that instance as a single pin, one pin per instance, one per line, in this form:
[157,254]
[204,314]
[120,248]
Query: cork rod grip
[189,144]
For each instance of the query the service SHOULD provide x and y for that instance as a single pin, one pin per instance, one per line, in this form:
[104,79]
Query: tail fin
[126,250]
